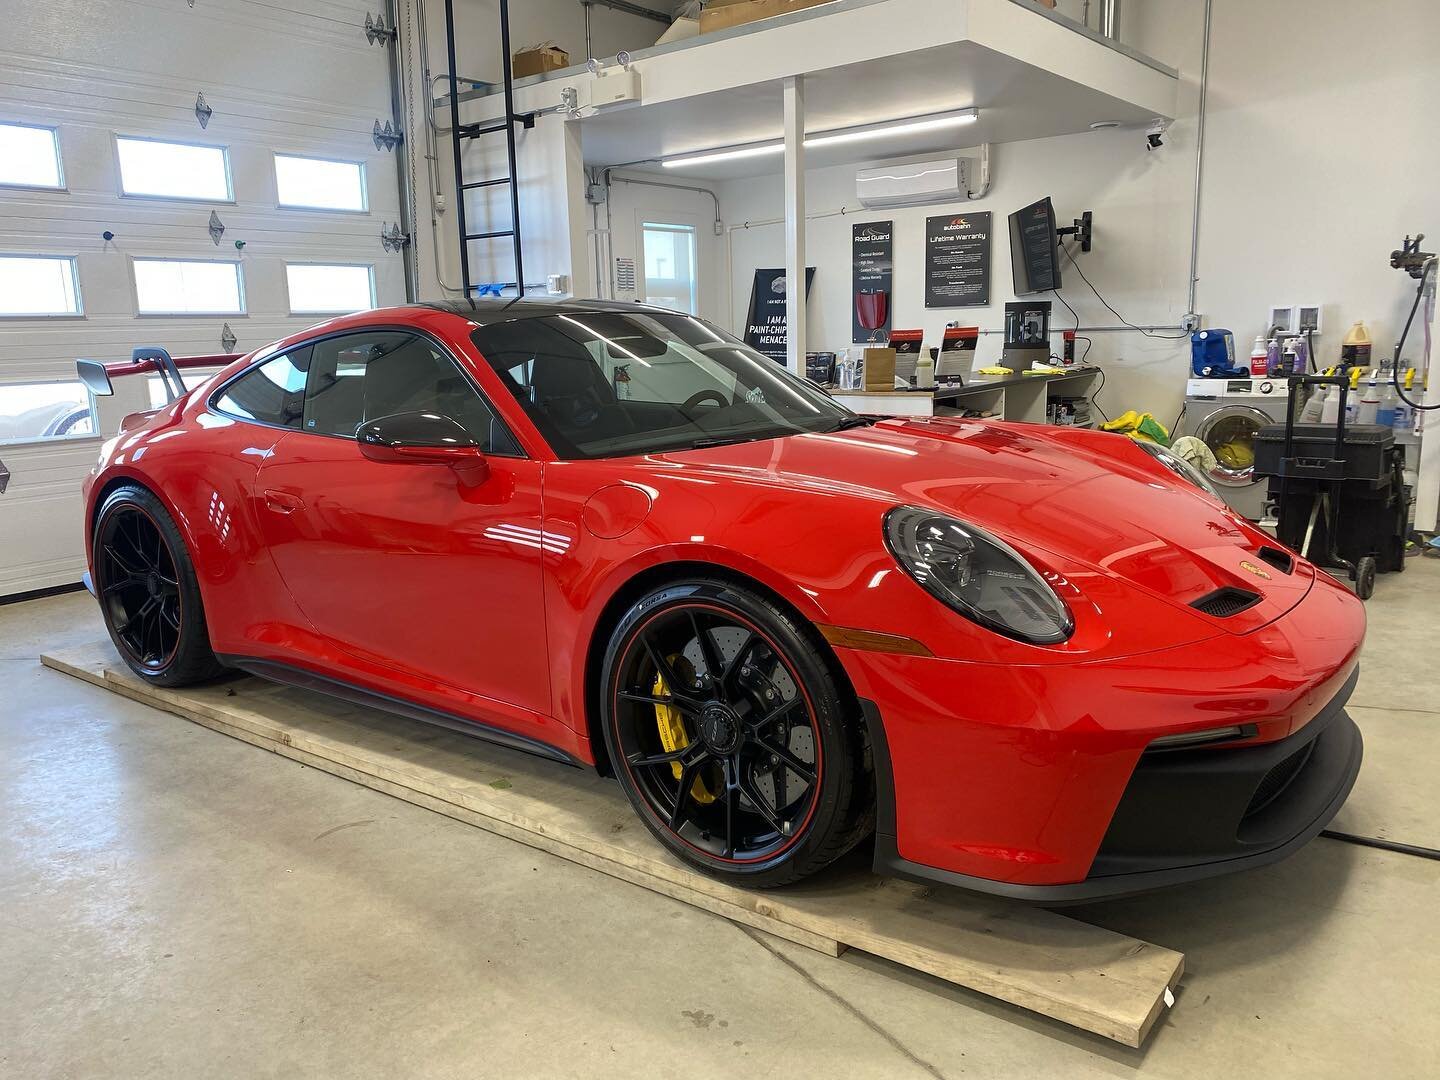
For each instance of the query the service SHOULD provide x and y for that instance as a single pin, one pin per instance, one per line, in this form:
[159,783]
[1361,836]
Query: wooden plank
[1083,975]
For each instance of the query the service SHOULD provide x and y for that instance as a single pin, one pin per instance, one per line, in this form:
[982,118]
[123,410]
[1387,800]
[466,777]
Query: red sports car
[1034,661]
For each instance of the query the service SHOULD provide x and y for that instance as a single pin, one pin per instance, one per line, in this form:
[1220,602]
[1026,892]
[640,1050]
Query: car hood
[1075,496]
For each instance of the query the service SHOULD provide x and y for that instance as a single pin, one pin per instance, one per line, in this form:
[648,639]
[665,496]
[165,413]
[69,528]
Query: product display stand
[1010,397]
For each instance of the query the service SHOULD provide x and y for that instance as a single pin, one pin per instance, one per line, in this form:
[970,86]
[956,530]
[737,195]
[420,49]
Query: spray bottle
[1330,407]
[1385,409]
[1369,402]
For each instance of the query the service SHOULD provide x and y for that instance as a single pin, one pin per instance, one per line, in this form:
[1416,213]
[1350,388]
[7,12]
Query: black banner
[767,326]
[871,263]
[957,260]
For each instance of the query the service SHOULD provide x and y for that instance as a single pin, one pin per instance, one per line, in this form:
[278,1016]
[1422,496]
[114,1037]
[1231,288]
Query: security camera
[1155,134]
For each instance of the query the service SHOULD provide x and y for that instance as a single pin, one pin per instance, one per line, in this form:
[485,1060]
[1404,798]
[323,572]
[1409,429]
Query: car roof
[486,311]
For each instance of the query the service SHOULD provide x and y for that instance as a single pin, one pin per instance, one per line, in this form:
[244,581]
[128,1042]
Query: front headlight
[976,574]
[1178,465]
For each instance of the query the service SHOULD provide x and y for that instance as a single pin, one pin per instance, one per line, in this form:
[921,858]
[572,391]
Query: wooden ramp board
[1083,975]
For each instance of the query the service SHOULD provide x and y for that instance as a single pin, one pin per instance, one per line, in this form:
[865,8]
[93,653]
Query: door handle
[283,502]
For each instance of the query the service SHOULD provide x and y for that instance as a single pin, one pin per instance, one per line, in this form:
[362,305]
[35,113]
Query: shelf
[1031,74]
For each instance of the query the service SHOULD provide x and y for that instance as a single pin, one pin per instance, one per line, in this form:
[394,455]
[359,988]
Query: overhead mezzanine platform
[1030,73]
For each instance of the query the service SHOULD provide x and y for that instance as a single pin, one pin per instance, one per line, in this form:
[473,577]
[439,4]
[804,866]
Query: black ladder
[462,133]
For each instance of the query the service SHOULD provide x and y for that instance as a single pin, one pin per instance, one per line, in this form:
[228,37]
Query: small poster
[957,260]
[871,262]
[767,326]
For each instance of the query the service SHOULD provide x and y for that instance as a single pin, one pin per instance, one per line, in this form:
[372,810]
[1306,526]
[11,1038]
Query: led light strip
[889,129]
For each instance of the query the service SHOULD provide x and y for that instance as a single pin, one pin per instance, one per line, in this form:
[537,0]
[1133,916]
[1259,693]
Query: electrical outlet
[1282,319]
[1307,318]
[1190,322]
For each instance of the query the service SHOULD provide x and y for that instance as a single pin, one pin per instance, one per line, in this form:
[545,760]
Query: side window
[362,377]
[273,393]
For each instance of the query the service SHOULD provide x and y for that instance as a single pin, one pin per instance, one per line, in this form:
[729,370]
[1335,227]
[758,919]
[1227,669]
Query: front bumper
[1193,814]
[1035,781]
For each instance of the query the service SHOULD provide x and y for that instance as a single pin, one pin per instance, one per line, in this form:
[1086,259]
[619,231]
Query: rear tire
[148,593]
[773,776]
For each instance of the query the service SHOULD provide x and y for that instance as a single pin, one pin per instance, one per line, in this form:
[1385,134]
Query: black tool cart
[1338,490]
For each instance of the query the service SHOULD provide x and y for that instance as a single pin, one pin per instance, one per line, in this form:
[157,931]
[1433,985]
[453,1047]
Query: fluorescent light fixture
[724,155]
[886,130]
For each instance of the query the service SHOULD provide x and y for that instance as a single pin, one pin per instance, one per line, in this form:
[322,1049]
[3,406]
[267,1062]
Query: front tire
[730,736]
[148,594]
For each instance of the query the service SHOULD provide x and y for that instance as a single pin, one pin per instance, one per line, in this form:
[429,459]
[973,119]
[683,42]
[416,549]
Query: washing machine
[1225,414]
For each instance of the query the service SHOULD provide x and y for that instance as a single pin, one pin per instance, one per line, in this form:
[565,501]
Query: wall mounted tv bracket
[1081,230]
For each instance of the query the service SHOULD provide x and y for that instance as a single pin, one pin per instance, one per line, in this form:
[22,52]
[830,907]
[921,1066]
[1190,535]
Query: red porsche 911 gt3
[1034,661]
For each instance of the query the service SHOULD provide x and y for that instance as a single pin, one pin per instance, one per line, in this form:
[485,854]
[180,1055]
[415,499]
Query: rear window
[273,393]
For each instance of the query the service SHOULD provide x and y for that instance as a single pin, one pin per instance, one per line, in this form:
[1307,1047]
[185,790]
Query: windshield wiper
[719,440]
[853,422]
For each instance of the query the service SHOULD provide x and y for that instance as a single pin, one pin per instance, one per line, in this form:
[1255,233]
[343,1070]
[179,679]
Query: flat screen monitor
[1035,248]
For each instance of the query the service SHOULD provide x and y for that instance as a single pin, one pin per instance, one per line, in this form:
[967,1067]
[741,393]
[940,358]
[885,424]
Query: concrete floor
[174,903]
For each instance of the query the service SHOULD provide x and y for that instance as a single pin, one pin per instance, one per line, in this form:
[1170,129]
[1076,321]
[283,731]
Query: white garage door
[99,135]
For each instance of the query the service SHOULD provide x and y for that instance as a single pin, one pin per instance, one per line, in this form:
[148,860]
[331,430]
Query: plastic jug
[1355,349]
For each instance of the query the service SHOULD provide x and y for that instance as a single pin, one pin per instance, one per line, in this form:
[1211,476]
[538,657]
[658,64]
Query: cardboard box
[539,60]
[879,369]
[721,16]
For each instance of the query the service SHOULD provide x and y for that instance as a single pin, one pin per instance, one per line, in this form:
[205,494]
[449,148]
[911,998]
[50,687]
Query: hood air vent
[1280,560]
[1222,603]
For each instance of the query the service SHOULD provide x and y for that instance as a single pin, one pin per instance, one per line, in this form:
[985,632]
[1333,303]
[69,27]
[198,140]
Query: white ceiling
[1016,101]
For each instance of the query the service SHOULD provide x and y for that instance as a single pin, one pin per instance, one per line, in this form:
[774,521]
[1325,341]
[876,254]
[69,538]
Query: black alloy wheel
[728,734]
[148,595]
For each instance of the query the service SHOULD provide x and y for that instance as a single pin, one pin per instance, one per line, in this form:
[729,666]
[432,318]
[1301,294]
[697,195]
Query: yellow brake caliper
[674,737]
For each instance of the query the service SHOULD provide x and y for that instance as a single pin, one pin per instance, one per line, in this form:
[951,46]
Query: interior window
[361,377]
[273,393]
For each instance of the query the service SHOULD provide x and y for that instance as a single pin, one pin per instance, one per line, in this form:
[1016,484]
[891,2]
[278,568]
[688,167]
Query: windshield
[604,384]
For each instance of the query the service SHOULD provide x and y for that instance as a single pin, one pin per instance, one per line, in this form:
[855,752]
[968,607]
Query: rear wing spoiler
[96,374]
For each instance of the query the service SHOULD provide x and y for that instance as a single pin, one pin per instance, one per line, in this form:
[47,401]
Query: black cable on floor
[1383,845]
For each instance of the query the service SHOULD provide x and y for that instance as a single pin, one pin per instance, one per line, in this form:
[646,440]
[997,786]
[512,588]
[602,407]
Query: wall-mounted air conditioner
[913,184]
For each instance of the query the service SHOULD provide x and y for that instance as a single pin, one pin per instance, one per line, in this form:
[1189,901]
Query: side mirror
[418,438]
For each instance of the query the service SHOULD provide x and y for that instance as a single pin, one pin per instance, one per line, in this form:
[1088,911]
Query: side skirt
[291,675]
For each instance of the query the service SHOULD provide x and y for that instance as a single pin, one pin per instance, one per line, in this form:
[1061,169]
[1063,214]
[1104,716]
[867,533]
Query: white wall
[1317,161]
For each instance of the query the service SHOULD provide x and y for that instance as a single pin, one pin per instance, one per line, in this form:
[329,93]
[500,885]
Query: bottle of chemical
[1257,356]
[1369,402]
[1385,408]
[1355,349]
[1290,361]
[1312,413]
[1272,358]
[1302,357]
[925,369]
[1330,407]
[1404,418]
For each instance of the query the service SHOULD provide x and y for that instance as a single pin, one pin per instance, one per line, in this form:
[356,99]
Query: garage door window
[30,156]
[273,393]
[52,410]
[170,170]
[33,285]
[185,287]
[329,288]
[307,183]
